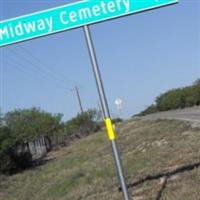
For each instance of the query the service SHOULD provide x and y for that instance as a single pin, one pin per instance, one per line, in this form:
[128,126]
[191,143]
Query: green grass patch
[85,170]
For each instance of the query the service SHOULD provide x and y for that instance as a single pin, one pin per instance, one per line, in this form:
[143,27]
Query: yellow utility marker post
[110,129]
[105,109]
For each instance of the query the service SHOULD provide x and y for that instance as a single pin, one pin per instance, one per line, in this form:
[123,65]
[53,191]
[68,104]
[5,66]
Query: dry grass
[85,170]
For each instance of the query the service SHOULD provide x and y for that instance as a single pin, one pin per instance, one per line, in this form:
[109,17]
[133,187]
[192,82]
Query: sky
[140,56]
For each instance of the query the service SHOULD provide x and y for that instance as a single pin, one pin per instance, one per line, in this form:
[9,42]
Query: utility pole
[76,89]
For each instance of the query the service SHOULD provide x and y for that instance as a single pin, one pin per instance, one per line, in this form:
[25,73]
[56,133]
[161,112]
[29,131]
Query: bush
[176,98]
[17,128]
[12,155]
[83,124]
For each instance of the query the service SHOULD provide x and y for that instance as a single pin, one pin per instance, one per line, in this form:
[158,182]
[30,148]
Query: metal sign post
[105,109]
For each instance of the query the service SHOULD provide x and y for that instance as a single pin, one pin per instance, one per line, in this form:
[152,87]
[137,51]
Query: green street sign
[71,16]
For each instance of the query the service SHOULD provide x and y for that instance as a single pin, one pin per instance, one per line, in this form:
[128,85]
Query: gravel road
[188,114]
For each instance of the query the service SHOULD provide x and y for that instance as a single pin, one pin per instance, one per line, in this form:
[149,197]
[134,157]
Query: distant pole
[105,109]
[118,103]
[79,98]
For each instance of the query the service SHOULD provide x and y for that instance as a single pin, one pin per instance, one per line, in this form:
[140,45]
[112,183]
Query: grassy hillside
[161,161]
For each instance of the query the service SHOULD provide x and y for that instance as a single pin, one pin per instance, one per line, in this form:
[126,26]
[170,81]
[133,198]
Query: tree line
[176,99]
[21,126]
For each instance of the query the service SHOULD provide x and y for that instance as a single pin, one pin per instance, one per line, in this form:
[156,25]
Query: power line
[30,77]
[48,68]
[41,70]
[25,71]
[36,69]
[27,67]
